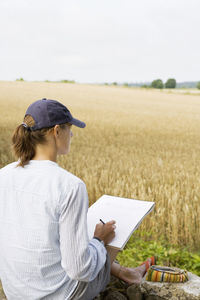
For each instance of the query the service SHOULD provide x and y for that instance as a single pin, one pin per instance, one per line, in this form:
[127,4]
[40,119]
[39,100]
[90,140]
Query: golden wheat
[140,144]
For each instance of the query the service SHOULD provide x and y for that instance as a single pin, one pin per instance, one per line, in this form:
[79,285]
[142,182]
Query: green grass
[141,246]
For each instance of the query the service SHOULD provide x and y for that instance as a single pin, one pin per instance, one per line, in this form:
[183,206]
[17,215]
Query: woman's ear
[56,130]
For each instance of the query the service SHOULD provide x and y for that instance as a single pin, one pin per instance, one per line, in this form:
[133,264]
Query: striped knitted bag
[165,274]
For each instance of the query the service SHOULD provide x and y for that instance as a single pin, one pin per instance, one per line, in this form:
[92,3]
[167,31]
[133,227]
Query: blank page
[128,214]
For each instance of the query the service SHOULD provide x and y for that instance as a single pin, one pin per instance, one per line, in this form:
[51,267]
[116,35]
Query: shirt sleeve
[82,259]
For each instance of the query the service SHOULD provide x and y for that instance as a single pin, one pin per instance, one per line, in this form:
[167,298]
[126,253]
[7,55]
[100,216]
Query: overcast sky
[100,41]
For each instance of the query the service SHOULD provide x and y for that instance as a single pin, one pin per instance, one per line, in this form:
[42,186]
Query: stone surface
[115,296]
[134,292]
[189,290]
[116,290]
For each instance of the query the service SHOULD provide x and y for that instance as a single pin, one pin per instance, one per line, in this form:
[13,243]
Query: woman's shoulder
[69,177]
[9,166]
[68,183]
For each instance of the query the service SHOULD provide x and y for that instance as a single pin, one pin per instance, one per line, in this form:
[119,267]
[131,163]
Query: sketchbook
[128,214]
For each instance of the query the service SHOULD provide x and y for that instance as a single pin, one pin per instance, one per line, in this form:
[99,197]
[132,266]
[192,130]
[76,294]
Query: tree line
[169,84]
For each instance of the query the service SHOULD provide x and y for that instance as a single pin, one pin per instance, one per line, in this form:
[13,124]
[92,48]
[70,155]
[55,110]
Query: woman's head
[46,122]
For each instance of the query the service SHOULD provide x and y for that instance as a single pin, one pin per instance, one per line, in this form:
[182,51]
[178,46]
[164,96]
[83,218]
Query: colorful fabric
[165,274]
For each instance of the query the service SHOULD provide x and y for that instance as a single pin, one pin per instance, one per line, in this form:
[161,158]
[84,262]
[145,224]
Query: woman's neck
[46,152]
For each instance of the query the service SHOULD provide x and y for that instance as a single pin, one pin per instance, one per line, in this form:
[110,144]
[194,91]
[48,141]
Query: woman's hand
[105,232]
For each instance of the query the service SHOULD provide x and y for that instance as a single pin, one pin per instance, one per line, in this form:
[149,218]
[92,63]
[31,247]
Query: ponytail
[22,145]
[24,140]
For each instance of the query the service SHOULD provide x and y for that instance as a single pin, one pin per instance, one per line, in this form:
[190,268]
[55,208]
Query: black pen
[102,222]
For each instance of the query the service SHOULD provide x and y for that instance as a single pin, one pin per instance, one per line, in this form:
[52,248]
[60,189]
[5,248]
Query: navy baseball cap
[48,113]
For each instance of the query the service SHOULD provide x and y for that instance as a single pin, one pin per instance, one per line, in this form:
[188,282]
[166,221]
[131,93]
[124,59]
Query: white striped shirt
[44,244]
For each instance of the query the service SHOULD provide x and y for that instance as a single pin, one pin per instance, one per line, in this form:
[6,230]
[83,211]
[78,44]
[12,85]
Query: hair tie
[28,128]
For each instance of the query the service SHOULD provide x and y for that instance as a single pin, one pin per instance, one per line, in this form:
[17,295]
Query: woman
[45,252]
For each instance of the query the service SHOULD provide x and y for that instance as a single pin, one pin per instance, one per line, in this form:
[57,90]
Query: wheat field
[142,144]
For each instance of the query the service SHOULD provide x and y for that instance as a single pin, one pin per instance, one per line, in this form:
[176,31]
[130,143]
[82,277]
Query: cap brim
[77,123]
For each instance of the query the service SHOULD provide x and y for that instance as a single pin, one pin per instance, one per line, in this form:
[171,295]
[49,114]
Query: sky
[100,41]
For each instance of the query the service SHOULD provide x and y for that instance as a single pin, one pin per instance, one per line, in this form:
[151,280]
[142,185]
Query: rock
[189,290]
[115,296]
[148,290]
[116,290]
[134,292]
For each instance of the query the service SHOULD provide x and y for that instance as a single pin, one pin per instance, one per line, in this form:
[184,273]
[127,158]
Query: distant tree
[198,85]
[20,79]
[170,83]
[114,83]
[157,84]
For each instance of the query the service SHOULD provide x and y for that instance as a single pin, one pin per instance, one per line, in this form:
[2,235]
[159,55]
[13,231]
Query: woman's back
[29,228]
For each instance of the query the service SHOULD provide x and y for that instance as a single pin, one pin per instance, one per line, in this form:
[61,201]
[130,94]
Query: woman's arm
[82,259]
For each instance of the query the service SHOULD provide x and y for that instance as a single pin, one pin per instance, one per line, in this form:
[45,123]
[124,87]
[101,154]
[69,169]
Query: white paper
[128,214]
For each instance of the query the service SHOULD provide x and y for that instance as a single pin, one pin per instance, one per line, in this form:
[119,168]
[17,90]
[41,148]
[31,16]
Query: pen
[102,222]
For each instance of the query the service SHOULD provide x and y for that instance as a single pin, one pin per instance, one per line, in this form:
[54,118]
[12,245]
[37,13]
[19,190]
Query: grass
[141,245]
